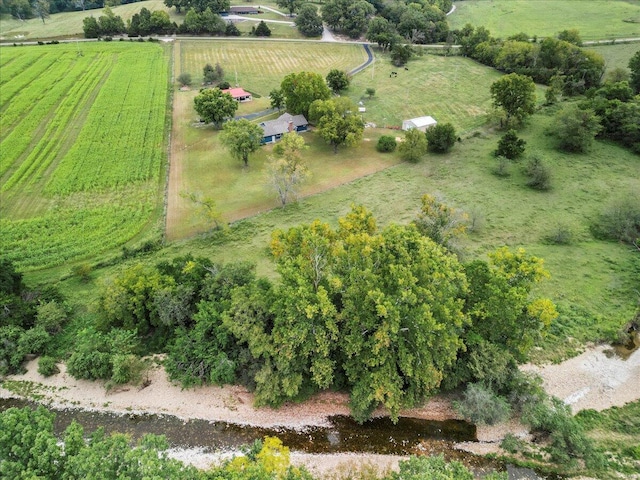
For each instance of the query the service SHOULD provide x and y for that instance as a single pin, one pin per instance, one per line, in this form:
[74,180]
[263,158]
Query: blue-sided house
[275,129]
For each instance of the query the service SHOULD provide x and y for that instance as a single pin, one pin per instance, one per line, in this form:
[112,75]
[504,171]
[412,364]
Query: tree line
[387,314]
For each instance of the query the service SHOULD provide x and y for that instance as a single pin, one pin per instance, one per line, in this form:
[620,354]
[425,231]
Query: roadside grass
[69,24]
[595,19]
[616,56]
[278,30]
[450,89]
[261,66]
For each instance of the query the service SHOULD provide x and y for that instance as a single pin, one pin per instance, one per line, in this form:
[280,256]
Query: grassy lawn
[617,56]
[595,19]
[450,89]
[260,67]
[69,24]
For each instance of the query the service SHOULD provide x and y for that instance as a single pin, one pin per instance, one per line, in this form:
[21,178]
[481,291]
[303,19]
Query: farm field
[261,65]
[81,150]
[69,24]
[616,56]
[595,19]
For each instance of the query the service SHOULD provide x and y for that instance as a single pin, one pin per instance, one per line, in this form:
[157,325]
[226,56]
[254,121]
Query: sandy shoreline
[595,379]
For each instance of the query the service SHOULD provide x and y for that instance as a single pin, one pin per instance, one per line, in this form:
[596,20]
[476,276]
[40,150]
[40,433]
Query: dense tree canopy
[242,138]
[308,21]
[301,89]
[516,95]
[337,122]
[215,106]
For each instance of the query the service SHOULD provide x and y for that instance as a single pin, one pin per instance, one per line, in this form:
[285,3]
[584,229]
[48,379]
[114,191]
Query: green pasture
[260,66]
[82,148]
[278,30]
[618,55]
[592,282]
[450,89]
[595,19]
[69,24]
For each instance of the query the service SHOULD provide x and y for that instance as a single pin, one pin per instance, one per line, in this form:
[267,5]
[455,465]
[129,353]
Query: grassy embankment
[595,19]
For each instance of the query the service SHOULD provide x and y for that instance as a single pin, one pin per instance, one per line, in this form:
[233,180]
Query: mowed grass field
[616,56]
[260,66]
[595,19]
[82,148]
[450,89]
[69,24]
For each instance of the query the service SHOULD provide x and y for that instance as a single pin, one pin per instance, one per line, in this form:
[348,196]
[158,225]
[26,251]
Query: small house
[421,123]
[238,94]
[246,10]
[285,123]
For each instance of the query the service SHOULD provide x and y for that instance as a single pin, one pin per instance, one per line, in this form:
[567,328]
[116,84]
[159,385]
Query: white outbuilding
[421,123]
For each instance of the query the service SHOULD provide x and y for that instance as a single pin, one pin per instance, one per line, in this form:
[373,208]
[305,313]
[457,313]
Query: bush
[127,368]
[441,137]
[90,365]
[560,235]
[224,85]
[502,168]
[184,79]
[480,405]
[51,316]
[262,30]
[510,146]
[47,366]
[620,221]
[566,436]
[575,128]
[538,173]
[82,271]
[386,143]
[33,341]
[231,30]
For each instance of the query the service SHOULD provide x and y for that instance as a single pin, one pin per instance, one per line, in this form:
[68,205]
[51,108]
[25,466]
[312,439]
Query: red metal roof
[237,92]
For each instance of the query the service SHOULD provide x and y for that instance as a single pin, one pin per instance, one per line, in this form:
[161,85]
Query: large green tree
[215,106]
[292,6]
[301,89]
[338,80]
[287,169]
[575,128]
[516,95]
[414,146]
[308,21]
[336,122]
[242,138]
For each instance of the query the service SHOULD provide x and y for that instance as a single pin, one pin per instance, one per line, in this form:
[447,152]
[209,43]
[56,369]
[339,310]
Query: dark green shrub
[441,137]
[224,85]
[481,405]
[386,143]
[90,365]
[127,368]
[47,366]
[511,443]
[10,355]
[262,30]
[184,79]
[510,146]
[33,341]
[538,174]
[51,316]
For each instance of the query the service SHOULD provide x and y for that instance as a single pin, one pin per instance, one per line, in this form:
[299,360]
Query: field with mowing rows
[82,147]
[261,66]
[595,19]
[450,89]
